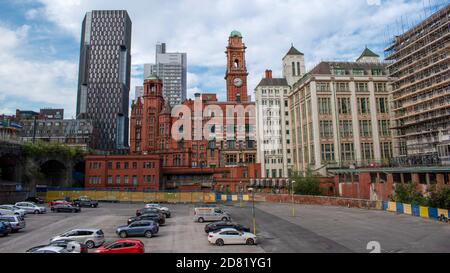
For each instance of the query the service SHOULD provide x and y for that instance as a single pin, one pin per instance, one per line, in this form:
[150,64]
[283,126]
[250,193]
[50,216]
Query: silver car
[31,207]
[51,249]
[90,237]
[16,221]
[14,209]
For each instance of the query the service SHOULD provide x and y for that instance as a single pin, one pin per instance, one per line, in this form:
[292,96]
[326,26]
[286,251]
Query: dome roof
[236,33]
[152,77]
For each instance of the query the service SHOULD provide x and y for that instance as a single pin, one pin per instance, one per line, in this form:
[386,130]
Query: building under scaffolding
[421,91]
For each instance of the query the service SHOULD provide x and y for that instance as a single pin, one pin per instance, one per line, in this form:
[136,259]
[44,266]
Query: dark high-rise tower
[104,76]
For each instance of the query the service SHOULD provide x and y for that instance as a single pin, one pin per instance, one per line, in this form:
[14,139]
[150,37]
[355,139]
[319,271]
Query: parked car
[165,210]
[71,245]
[212,227]
[203,214]
[149,217]
[30,207]
[122,246]
[150,210]
[14,209]
[65,208]
[51,249]
[35,200]
[84,201]
[16,222]
[59,202]
[90,237]
[6,212]
[231,236]
[138,228]
[5,228]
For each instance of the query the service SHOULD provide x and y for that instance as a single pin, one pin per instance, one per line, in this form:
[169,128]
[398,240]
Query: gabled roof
[273,82]
[293,51]
[367,53]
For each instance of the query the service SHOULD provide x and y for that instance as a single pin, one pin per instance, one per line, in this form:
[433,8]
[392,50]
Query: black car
[148,216]
[151,210]
[219,225]
[60,243]
[35,200]
[65,208]
[85,201]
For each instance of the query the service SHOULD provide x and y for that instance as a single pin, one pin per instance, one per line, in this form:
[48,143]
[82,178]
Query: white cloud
[321,29]
[24,81]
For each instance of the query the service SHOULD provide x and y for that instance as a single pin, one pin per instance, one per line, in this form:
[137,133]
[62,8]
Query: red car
[60,202]
[122,246]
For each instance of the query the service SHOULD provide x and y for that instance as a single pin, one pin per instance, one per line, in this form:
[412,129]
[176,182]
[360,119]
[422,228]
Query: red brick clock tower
[236,75]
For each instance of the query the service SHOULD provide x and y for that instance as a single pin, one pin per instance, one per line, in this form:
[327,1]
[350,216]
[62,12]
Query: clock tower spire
[236,75]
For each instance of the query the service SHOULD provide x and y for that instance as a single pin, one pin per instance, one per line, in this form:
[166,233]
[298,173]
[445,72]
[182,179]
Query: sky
[40,39]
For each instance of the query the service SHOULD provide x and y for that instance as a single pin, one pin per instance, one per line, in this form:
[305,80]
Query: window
[117,165]
[324,106]
[383,127]
[327,152]
[380,87]
[347,152]
[358,72]
[109,165]
[367,151]
[377,72]
[339,71]
[126,165]
[346,128]
[110,180]
[323,86]
[382,105]
[125,179]
[117,179]
[362,87]
[344,106]
[386,150]
[342,87]
[365,128]
[134,165]
[134,180]
[231,159]
[363,106]
[326,128]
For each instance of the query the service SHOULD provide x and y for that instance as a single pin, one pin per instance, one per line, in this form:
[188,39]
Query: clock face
[237,82]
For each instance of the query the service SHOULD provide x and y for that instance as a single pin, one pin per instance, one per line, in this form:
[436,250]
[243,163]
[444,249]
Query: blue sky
[40,39]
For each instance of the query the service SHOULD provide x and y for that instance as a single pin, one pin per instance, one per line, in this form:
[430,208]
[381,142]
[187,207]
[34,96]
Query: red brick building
[202,144]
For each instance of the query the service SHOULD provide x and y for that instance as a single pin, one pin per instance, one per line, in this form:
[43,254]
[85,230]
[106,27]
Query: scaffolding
[420,72]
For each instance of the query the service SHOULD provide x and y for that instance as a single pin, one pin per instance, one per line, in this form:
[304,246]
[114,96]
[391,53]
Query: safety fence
[415,210]
[142,196]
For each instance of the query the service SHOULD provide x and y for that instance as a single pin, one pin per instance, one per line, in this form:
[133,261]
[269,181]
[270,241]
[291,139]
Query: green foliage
[48,148]
[439,198]
[408,193]
[308,184]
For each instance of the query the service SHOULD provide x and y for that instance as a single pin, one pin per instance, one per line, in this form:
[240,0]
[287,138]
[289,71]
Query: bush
[306,185]
[439,198]
[408,193]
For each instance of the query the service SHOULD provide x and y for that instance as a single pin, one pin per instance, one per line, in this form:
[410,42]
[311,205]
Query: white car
[14,209]
[51,249]
[164,210]
[231,236]
[31,207]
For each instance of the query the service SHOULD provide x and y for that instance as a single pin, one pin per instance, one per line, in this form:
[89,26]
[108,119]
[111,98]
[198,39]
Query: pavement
[314,229]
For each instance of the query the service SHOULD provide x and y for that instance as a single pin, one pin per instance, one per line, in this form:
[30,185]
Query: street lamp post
[292,194]
[253,209]
[241,191]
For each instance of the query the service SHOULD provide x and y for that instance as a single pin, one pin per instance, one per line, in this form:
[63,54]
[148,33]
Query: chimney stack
[268,74]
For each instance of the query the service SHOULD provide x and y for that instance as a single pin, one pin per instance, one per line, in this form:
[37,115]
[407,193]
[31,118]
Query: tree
[409,194]
[308,184]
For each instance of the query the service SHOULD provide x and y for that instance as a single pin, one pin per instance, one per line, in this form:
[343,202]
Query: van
[202,214]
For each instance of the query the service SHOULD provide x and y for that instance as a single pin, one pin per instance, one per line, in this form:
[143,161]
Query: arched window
[236,63]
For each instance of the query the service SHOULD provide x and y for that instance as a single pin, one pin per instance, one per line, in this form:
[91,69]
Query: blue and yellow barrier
[415,210]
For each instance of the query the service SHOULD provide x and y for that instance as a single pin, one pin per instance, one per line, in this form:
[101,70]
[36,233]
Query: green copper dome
[236,33]
[152,77]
